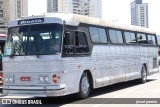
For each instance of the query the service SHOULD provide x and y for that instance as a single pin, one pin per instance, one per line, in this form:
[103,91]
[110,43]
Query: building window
[1,11]
[1,15]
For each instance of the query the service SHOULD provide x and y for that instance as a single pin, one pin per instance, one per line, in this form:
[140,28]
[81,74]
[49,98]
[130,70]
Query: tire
[143,78]
[84,87]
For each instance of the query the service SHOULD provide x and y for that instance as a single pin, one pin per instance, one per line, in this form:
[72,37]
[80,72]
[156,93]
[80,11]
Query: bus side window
[75,42]
[69,42]
[142,38]
[69,39]
[81,43]
[152,40]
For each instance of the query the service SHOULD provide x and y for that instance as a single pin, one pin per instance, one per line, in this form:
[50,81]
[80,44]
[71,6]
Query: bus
[57,54]
[2,43]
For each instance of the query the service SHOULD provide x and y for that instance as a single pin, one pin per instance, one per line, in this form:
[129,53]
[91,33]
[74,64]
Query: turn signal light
[55,78]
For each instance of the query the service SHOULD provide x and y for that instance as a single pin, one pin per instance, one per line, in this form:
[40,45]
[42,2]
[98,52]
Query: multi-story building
[52,5]
[95,9]
[14,9]
[81,7]
[65,6]
[3,27]
[139,13]
[84,7]
[1,12]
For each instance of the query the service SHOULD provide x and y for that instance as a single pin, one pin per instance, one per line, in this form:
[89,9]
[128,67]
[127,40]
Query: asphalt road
[119,93]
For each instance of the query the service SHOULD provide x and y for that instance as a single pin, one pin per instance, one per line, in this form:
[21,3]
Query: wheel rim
[85,85]
[144,75]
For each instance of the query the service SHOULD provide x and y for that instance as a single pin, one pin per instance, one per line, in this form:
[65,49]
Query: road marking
[142,85]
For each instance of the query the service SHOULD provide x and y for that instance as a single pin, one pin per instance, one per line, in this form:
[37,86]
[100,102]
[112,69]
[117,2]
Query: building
[95,8]
[10,10]
[65,6]
[139,13]
[52,5]
[1,12]
[3,27]
[91,8]
[14,9]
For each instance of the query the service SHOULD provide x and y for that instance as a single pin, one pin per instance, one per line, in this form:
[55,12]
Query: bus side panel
[152,60]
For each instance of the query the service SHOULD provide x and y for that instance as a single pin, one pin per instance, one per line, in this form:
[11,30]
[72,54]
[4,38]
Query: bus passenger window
[75,43]
[141,38]
[69,42]
[152,40]
[113,36]
[102,35]
[133,38]
[94,34]
[119,36]
[130,38]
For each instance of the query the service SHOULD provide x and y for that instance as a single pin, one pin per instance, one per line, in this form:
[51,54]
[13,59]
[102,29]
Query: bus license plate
[25,78]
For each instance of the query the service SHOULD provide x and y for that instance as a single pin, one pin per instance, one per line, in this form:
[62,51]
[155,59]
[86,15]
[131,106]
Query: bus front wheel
[84,86]
[143,78]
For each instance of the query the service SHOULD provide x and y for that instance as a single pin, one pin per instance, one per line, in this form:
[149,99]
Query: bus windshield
[39,39]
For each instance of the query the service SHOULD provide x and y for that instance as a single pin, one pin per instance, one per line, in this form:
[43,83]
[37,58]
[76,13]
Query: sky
[116,10]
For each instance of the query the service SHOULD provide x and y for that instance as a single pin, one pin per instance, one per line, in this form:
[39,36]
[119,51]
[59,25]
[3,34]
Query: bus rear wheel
[143,78]
[84,87]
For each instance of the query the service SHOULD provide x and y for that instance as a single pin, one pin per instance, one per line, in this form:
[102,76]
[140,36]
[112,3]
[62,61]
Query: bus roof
[74,19]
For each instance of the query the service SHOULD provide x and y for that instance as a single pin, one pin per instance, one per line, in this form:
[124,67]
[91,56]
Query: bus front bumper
[35,91]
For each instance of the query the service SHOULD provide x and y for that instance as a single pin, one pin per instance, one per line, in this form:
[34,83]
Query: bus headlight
[9,79]
[47,79]
[44,79]
[41,78]
[6,79]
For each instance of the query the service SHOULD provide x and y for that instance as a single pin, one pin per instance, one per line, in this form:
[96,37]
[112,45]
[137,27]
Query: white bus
[57,54]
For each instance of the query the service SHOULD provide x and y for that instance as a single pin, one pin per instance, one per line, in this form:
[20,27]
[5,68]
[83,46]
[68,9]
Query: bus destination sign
[30,21]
